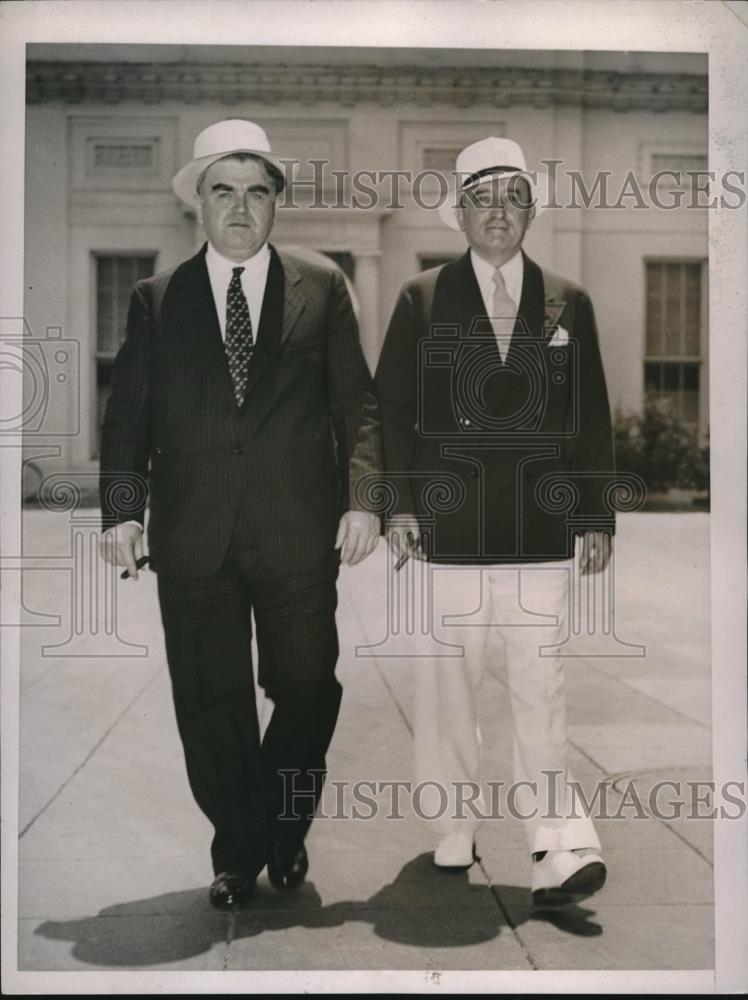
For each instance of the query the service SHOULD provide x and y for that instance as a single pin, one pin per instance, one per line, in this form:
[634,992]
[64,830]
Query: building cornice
[194,83]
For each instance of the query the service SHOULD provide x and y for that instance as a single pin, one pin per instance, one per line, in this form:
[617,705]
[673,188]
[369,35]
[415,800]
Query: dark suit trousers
[254,792]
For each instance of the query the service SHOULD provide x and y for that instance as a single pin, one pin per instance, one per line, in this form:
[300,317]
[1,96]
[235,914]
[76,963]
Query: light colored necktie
[239,340]
[503,315]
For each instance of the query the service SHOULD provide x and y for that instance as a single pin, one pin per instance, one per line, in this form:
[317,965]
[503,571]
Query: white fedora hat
[490,157]
[232,135]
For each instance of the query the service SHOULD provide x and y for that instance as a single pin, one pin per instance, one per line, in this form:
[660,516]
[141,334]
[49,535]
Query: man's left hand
[594,551]
[358,533]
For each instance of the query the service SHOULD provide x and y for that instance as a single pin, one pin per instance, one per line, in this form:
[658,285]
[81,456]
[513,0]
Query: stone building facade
[107,127]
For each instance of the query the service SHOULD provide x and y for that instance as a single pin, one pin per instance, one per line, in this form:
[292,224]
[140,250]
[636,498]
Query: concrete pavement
[113,853]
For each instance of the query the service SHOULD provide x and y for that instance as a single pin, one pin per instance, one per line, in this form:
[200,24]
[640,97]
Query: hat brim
[185,180]
[539,188]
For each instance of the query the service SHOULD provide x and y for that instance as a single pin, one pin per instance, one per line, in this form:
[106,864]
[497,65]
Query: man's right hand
[122,545]
[403,532]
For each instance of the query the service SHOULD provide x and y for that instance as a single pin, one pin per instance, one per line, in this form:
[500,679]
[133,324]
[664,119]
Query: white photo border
[721,30]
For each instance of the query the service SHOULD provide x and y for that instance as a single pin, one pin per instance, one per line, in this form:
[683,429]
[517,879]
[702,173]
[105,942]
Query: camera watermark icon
[90,613]
[408,594]
[49,367]
[591,618]
[466,389]
[581,618]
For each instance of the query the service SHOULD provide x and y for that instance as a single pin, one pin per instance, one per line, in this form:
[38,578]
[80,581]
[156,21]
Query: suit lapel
[197,320]
[282,305]
[458,302]
[555,303]
[531,311]
[293,297]
[268,337]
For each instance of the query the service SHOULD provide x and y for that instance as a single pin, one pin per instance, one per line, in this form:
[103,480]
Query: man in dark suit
[242,397]
[495,415]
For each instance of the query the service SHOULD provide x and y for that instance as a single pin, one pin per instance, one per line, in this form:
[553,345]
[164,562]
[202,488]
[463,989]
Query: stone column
[366,284]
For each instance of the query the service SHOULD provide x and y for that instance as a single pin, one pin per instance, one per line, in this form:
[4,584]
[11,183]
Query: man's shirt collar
[222,265]
[512,272]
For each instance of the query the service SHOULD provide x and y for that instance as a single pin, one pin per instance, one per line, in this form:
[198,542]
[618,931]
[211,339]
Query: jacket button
[238,450]
[464,421]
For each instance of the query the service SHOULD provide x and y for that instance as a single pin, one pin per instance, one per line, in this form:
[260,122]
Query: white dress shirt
[253,278]
[512,272]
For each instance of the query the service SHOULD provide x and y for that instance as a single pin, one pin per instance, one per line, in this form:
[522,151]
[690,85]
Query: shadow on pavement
[423,907]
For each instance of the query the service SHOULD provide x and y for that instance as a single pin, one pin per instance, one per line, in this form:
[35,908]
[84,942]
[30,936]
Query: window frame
[702,358]
[96,357]
[671,147]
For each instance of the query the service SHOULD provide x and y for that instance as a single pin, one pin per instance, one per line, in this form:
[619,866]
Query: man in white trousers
[498,445]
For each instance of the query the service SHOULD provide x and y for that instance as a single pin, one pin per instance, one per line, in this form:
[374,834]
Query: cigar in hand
[410,548]
[138,565]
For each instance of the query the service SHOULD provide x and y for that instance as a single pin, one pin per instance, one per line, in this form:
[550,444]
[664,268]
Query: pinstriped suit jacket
[293,456]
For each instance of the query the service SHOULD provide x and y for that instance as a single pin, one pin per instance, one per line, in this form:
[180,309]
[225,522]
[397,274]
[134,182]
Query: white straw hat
[232,135]
[491,157]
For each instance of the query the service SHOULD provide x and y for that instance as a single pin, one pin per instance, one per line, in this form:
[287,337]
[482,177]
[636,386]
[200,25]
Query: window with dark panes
[685,172]
[115,276]
[674,355]
[427,261]
[344,260]
[440,158]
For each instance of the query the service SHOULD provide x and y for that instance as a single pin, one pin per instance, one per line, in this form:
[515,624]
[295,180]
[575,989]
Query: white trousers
[493,615]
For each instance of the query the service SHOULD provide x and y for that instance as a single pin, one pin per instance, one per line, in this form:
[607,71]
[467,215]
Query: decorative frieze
[122,153]
[441,158]
[122,156]
[232,83]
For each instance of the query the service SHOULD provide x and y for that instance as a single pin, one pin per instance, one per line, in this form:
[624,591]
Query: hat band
[489,170]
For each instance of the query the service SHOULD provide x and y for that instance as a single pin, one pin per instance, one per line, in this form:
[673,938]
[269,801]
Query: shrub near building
[666,455]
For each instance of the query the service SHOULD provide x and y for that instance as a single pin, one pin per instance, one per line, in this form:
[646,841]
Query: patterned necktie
[503,315]
[239,342]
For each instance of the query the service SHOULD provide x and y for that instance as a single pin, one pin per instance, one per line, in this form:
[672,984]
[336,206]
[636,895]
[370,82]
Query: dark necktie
[239,343]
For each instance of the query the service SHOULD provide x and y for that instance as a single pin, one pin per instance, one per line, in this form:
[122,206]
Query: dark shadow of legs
[422,907]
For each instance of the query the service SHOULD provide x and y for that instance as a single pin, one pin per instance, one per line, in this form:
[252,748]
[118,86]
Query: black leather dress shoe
[230,889]
[288,870]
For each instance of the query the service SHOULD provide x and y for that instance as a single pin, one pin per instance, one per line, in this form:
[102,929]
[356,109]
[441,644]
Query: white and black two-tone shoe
[561,877]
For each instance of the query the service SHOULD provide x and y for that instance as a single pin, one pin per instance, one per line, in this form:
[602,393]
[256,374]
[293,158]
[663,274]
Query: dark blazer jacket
[502,462]
[294,454]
